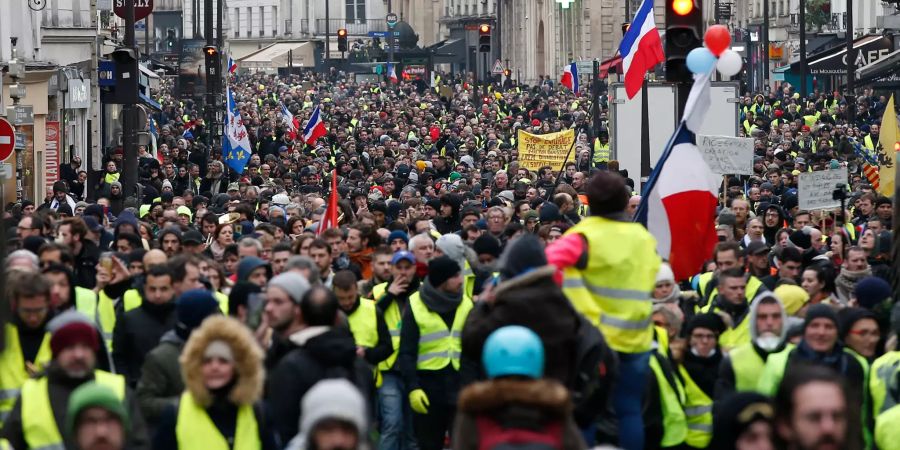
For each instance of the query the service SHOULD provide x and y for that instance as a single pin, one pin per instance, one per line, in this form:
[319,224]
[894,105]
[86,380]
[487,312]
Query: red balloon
[717,39]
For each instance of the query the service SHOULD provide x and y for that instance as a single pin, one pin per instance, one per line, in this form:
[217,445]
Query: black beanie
[709,321]
[735,414]
[524,254]
[441,269]
[849,316]
[820,310]
[487,244]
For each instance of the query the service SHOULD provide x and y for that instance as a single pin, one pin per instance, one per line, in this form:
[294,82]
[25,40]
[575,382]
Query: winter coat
[532,300]
[317,353]
[221,406]
[137,333]
[527,404]
[160,383]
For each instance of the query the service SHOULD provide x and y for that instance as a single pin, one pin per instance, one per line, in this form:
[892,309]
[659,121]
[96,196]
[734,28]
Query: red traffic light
[211,51]
[484,29]
[682,7]
[342,32]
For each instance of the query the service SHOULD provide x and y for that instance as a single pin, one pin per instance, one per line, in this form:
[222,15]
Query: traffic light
[126,62]
[507,73]
[342,39]
[484,38]
[171,39]
[684,32]
[211,54]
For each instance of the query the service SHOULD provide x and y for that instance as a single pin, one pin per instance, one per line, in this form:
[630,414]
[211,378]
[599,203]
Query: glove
[418,400]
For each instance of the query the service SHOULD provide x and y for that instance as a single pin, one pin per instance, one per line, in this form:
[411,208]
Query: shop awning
[276,55]
[886,69]
[450,51]
[614,64]
[868,49]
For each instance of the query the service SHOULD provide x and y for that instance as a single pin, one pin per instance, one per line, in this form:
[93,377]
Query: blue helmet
[513,350]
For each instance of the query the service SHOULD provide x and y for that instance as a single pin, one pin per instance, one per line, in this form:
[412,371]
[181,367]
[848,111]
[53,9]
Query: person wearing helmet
[515,405]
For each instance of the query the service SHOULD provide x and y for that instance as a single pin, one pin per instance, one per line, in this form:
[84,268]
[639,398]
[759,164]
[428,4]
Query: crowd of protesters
[462,301]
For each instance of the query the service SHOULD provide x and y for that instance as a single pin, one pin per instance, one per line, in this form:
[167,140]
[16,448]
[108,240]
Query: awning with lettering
[868,49]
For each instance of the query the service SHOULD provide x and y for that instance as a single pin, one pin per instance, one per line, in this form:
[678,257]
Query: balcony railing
[288,26]
[354,27]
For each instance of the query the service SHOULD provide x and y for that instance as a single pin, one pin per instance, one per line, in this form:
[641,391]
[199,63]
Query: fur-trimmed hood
[247,359]
[487,396]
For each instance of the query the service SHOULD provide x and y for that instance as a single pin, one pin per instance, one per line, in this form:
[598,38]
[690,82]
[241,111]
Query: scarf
[437,300]
[834,359]
[846,281]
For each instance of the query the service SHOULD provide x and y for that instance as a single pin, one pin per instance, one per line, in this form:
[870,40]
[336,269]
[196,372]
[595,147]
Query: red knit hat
[74,333]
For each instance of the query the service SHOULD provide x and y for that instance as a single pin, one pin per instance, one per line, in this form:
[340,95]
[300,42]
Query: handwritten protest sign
[538,150]
[727,155]
[816,188]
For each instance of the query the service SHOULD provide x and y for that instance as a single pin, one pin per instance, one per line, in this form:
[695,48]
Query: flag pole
[645,131]
[562,169]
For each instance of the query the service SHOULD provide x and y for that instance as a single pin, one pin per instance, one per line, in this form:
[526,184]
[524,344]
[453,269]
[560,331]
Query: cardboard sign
[816,188]
[538,150]
[727,155]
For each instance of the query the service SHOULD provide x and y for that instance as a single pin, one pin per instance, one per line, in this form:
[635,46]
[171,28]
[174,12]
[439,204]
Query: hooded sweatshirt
[725,383]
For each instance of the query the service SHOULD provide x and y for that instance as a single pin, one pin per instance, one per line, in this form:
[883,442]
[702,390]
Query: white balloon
[730,63]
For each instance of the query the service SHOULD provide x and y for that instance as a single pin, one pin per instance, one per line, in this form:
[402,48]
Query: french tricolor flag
[392,74]
[570,77]
[232,65]
[679,200]
[641,48]
[315,128]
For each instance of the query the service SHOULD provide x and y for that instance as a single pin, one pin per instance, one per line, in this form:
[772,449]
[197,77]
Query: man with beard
[215,181]
[740,370]
[773,220]
[31,424]
[812,411]
[282,312]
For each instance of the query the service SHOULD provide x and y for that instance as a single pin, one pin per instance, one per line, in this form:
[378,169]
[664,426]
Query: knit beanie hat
[451,245]
[486,244]
[335,399]
[549,212]
[793,297]
[665,273]
[709,321]
[727,217]
[191,308]
[398,234]
[871,291]
[522,255]
[849,316]
[820,310]
[800,239]
[737,413]
[94,395]
[73,333]
[292,283]
[441,269]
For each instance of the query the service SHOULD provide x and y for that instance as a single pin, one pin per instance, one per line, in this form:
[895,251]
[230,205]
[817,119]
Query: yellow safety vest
[601,152]
[39,427]
[393,319]
[671,399]
[223,301]
[887,433]
[735,336]
[753,286]
[438,345]
[747,366]
[195,430]
[613,291]
[883,382]
[99,309]
[364,324]
[111,177]
[698,411]
[12,368]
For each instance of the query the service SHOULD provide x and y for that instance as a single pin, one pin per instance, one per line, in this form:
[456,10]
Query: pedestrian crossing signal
[342,39]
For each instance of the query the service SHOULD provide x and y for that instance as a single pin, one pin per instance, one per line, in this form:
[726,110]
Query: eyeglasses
[866,333]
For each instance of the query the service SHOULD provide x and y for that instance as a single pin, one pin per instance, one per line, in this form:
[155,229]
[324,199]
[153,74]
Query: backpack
[593,374]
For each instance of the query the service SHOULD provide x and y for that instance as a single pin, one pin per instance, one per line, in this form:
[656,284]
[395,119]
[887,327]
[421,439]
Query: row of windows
[243,18]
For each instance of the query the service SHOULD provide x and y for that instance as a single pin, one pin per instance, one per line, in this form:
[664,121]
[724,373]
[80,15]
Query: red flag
[330,219]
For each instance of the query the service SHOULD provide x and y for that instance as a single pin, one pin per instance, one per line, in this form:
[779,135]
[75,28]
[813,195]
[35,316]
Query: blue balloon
[701,60]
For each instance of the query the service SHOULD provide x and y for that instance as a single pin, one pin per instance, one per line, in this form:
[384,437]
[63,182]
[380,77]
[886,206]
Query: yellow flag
[889,138]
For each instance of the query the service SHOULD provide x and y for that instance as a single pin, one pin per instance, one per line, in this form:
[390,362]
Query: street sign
[392,19]
[142,8]
[7,139]
[22,115]
[585,67]
[20,141]
[498,68]
[6,171]
[381,34]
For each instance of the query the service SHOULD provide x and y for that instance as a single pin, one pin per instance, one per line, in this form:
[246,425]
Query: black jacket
[86,265]
[60,387]
[318,353]
[137,333]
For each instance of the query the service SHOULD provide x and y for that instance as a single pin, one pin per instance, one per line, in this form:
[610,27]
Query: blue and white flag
[236,142]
